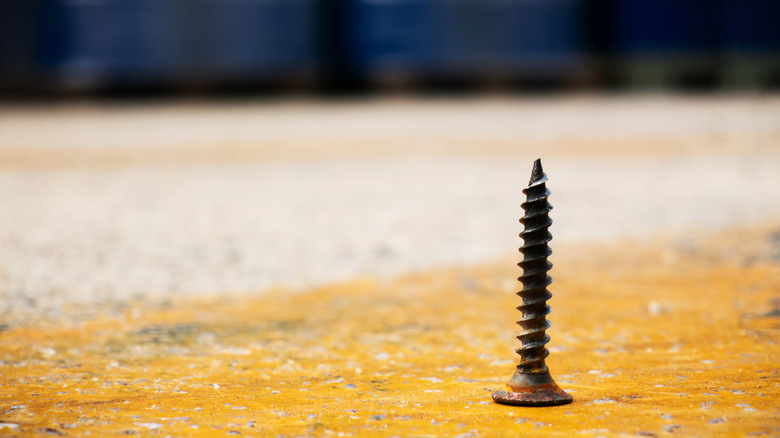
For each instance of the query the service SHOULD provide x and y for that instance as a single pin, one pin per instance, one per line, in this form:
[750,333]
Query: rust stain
[649,344]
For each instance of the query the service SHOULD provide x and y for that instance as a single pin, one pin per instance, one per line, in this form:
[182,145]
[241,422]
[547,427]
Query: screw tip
[538,172]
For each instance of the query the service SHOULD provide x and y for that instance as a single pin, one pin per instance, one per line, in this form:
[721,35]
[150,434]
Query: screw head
[544,395]
[532,389]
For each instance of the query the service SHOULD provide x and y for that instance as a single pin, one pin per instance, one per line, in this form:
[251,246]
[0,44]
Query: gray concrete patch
[93,235]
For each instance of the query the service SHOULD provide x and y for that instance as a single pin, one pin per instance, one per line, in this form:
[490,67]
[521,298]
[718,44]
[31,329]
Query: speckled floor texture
[659,340]
[348,268]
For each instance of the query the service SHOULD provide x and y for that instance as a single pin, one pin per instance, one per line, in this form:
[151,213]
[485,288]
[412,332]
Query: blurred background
[52,46]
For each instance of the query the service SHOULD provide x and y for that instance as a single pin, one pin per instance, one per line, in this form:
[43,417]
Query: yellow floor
[661,339]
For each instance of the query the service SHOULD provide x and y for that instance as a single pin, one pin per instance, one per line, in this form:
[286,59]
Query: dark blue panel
[259,38]
[664,26]
[456,40]
[535,35]
[33,40]
[751,26]
[464,37]
[386,36]
[119,40]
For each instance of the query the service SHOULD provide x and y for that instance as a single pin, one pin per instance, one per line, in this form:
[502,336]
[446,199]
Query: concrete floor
[111,202]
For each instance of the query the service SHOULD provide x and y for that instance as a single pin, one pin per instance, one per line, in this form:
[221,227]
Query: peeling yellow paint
[650,343]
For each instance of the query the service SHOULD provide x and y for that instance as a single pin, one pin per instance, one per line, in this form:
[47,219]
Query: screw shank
[535,235]
[537,389]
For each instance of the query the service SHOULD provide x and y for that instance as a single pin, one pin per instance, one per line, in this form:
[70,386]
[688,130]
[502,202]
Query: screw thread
[535,235]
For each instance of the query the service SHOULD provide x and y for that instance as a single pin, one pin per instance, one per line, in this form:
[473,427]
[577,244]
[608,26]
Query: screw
[532,385]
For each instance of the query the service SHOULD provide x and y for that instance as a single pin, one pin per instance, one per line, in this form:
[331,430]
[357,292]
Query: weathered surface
[673,339]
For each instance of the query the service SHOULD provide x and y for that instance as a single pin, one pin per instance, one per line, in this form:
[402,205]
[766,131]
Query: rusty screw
[532,385]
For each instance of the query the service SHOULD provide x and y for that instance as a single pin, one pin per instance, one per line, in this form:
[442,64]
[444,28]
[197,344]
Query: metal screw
[532,385]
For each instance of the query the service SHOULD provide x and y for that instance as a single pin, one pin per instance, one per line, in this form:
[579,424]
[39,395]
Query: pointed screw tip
[538,172]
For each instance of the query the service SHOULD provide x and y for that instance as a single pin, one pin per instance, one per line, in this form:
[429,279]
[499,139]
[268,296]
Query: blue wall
[109,43]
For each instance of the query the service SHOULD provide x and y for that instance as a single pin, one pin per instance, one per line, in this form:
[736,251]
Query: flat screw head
[532,385]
